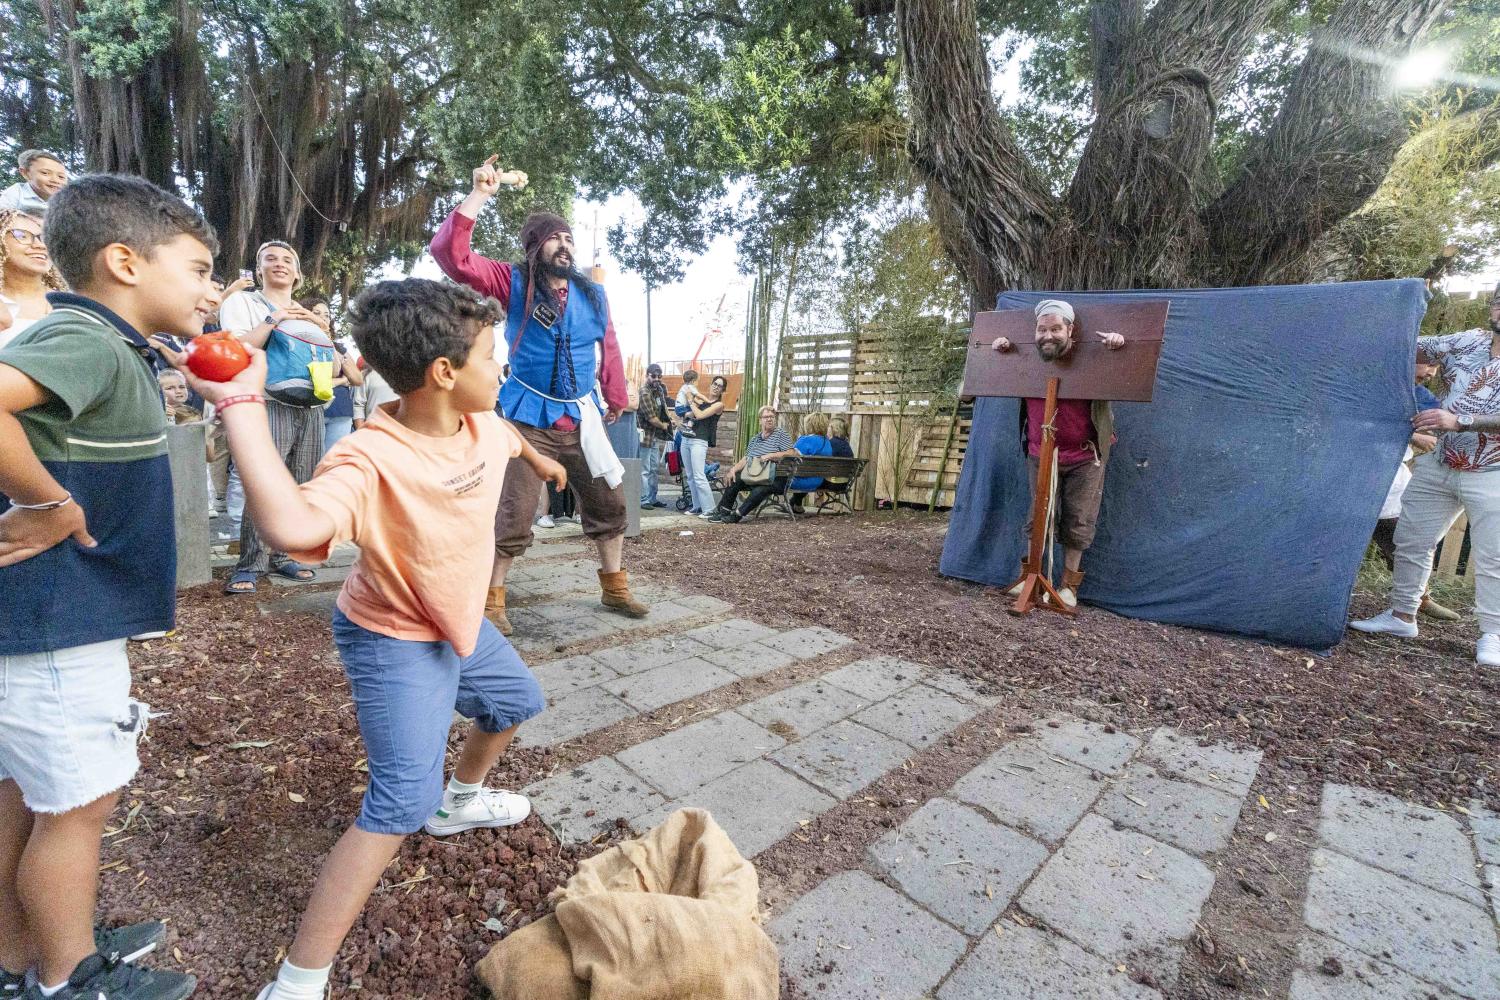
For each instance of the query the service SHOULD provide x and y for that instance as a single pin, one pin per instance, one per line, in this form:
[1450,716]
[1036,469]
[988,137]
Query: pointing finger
[491,161]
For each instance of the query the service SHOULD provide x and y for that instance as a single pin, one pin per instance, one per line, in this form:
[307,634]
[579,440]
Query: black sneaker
[11,984]
[131,942]
[717,516]
[96,978]
[733,517]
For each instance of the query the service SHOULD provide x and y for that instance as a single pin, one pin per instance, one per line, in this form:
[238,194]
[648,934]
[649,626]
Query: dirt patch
[1412,718]
[256,769]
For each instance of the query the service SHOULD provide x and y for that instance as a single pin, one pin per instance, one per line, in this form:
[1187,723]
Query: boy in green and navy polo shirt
[84,563]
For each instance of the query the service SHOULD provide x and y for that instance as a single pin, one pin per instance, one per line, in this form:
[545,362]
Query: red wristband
[229,401]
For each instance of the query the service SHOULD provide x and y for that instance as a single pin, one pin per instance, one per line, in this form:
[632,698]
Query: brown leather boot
[494,609]
[1432,609]
[617,597]
[1071,581]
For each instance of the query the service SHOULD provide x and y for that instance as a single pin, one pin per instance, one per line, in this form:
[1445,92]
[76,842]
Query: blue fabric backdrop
[1243,496]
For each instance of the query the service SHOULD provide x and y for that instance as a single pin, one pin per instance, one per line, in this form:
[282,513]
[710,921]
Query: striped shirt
[760,445]
[102,436]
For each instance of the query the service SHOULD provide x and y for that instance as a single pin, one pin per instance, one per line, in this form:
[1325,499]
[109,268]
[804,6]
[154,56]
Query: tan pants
[1430,505]
[601,509]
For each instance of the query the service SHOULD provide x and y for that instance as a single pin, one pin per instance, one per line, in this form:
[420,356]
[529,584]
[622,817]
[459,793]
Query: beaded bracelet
[229,401]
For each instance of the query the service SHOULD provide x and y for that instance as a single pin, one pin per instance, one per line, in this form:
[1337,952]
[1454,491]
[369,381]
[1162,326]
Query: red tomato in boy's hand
[217,357]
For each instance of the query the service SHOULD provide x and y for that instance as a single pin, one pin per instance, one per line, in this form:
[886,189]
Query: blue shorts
[405,694]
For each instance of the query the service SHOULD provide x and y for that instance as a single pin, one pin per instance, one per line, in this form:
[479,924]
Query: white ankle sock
[459,793]
[48,991]
[293,983]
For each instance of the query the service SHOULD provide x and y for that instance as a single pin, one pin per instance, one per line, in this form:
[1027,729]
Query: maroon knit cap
[540,227]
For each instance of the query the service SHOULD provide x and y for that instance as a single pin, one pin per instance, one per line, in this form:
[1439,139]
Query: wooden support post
[1036,589]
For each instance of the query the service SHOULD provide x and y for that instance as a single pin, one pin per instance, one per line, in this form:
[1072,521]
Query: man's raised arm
[451,245]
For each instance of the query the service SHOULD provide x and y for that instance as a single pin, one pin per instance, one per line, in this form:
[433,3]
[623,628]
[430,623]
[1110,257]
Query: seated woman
[814,443]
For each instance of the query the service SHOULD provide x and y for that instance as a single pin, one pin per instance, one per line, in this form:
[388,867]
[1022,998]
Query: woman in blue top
[813,443]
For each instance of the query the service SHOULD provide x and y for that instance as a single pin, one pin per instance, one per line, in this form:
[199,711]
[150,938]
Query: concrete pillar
[632,487]
[185,452]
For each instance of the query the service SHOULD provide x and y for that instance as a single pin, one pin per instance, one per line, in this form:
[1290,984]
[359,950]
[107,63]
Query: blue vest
[523,396]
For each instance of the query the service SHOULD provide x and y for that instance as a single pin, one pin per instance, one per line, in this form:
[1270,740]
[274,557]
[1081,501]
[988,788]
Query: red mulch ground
[229,833]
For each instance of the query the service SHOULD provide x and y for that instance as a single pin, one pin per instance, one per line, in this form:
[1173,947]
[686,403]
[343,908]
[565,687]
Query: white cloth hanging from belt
[592,439]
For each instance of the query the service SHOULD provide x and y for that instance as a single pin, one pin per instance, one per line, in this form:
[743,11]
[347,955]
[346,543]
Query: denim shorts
[68,726]
[405,693]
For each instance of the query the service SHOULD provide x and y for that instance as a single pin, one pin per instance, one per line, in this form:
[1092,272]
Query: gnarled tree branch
[959,142]
[1156,84]
[1328,149]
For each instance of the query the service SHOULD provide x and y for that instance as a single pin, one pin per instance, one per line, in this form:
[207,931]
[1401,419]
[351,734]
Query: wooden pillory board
[1088,371]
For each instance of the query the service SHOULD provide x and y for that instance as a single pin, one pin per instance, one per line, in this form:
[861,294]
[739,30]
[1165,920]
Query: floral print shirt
[1470,383]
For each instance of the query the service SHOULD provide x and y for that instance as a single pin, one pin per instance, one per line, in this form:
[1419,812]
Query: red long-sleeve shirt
[452,250]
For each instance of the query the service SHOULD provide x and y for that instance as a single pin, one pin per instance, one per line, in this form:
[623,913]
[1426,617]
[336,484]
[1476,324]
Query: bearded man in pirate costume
[561,341]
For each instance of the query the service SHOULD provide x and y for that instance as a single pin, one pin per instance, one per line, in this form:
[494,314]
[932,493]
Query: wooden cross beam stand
[1088,371]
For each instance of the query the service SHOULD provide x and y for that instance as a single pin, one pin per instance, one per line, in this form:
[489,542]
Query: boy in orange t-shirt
[416,487]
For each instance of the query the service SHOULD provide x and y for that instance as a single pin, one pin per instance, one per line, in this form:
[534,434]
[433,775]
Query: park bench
[838,475]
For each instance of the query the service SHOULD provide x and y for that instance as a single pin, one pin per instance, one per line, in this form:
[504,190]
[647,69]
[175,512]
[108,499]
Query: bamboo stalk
[937,484]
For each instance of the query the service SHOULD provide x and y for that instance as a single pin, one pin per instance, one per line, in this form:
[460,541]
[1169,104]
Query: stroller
[675,469]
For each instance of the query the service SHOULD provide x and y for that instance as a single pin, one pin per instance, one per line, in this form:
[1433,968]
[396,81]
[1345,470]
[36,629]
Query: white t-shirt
[17,324]
[375,393]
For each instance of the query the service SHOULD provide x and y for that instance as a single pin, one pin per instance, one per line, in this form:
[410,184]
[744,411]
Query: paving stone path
[1064,865]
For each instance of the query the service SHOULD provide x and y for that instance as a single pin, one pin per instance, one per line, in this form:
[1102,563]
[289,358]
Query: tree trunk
[1138,212]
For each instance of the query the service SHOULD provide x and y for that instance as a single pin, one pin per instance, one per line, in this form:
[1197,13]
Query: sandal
[235,587]
[294,571]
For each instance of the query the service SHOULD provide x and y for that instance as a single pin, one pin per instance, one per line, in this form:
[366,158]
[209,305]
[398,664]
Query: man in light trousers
[1461,475]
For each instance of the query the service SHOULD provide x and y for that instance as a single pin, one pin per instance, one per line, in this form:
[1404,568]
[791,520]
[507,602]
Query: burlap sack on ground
[671,915]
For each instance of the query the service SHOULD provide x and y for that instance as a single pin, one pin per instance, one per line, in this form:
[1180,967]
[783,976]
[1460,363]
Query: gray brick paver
[749,660]
[876,677]
[635,657]
[1486,826]
[918,716]
[806,707]
[962,866]
[1024,963]
[603,787]
[680,761]
[1412,841]
[1216,765]
[876,942]
[756,804]
[560,677]
[574,714]
[651,689]
[1191,816]
[805,643]
[1088,744]
[843,758]
[1025,788]
[1120,894]
[1429,934]
[1359,977]
[733,632]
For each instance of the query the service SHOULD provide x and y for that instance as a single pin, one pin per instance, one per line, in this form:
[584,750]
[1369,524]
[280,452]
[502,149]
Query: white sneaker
[148,636]
[1016,590]
[491,807]
[1068,598]
[545,521]
[1386,623]
[1487,654]
[270,991]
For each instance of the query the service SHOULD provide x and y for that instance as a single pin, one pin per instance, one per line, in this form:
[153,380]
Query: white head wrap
[1056,307]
